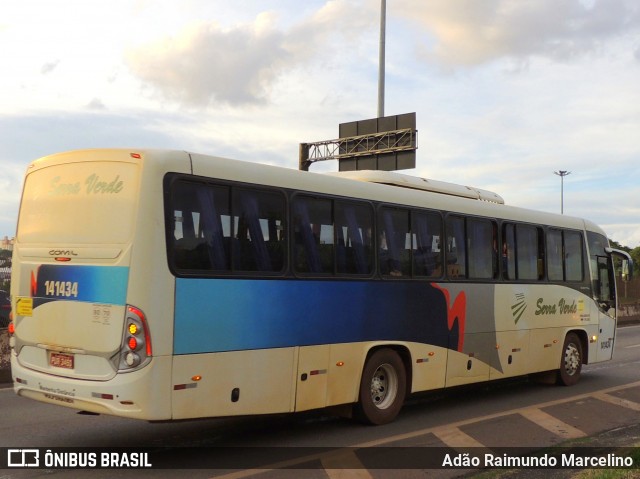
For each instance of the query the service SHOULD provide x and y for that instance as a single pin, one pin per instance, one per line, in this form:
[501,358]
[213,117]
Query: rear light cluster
[135,350]
[11,327]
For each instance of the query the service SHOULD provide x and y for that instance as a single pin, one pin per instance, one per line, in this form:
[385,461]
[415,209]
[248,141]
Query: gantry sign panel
[385,143]
[390,143]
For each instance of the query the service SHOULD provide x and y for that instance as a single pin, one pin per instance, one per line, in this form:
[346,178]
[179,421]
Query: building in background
[7,243]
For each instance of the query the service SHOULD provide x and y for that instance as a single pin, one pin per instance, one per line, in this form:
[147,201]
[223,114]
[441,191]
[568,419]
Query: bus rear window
[80,203]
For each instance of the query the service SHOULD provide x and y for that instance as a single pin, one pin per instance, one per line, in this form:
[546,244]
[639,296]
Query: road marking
[332,458]
[455,438]
[345,466]
[551,423]
[556,402]
[421,432]
[617,401]
[632,346]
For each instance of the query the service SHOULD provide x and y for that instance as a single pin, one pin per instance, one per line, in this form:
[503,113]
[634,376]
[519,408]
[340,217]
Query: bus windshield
[80,203]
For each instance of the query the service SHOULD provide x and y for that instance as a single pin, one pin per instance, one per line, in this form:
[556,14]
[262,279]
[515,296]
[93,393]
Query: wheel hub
[571,360]
[384,384]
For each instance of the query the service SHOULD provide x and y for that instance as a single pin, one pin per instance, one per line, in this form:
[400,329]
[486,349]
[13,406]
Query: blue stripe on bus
[235,314]
[97,284]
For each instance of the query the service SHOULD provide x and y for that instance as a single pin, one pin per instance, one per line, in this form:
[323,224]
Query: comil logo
[62,252]
[23,458]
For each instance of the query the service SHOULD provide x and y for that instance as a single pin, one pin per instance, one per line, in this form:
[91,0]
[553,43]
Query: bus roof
[389,187]
[418,183]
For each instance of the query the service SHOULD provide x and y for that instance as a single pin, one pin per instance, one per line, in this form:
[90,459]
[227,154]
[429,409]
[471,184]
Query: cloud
[49,67]
[239,65]
[468,33]
[96,104]
[206,62]
[339,24]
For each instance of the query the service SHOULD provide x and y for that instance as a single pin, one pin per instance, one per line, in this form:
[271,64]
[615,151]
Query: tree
[615,244]
[635,255]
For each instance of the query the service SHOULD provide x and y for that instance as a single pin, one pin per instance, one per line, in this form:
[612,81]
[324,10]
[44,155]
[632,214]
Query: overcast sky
[506,91]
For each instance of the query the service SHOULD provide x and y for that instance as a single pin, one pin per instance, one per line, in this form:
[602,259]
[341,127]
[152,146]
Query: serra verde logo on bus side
[542,308]
[563,307]
[93,184]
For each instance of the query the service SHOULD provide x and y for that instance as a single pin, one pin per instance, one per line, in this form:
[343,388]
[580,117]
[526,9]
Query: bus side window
[482,249]
[523,252]
[555,261]
[527,252]
[508,252]
[354,225]
[427,253]
[313,235]
[208,236]
[456,252]
[565,256]
[198,237]
[394,247]
[258,229]
[573,256]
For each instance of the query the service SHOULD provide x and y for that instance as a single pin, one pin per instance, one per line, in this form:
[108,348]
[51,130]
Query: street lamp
[562,174]
[381,57]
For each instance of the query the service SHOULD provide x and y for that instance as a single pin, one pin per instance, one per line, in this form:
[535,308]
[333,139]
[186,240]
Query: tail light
[135,350]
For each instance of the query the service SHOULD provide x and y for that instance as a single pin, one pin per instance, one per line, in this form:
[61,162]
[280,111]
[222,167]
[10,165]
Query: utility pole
[562,174]
[383,21]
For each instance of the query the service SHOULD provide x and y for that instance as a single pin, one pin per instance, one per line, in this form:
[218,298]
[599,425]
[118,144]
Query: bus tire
[382,388]
[571,361]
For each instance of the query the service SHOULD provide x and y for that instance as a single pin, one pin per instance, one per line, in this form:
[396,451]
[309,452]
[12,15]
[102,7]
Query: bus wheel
[571,361]
[382,388]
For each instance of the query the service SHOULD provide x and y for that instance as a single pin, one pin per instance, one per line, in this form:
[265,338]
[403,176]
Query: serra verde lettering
[93,184]
[561,308]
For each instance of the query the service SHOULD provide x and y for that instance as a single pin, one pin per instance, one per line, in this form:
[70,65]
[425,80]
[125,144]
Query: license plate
[60,360]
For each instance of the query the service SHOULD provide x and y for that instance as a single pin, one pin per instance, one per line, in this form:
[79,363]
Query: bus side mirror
[626,270]
[627,262]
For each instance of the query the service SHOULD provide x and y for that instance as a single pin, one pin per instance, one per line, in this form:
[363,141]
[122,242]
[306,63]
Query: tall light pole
[562,174]
[383,21]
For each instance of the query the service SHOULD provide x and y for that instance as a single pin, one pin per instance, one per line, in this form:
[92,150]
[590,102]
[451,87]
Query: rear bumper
[143,394]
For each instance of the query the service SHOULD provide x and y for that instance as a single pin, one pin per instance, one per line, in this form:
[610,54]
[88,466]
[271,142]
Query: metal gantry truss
[362,145]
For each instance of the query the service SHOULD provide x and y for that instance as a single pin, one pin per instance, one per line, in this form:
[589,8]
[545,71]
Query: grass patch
[614,473]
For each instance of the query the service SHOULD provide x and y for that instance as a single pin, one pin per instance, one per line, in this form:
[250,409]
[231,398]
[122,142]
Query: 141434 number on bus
[65,289]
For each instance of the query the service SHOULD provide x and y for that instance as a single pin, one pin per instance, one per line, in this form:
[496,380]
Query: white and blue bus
[165,285]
